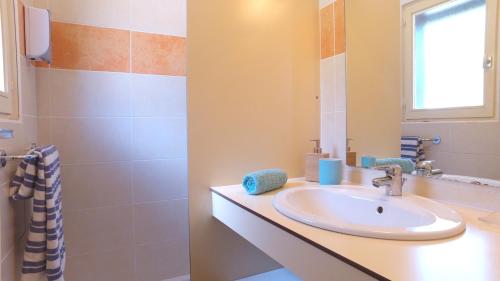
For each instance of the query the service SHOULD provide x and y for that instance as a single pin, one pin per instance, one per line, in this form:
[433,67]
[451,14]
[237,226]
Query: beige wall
[252,86]
[373,77]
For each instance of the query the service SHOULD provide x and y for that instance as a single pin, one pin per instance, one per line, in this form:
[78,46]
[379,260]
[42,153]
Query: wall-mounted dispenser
[37,33]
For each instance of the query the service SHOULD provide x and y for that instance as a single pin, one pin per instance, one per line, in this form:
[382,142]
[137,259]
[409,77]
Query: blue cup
[330,171]
[368,161]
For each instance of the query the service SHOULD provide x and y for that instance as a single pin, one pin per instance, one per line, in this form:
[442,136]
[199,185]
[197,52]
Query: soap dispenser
[351,157]
[312,162]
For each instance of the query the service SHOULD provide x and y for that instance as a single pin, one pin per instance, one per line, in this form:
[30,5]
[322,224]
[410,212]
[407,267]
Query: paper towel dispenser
[37,34]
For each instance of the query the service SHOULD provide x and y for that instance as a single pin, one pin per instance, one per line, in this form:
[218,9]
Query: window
[8,62]
[448,50]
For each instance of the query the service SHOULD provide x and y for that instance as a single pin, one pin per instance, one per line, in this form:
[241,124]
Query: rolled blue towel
[406,164]
[263,181]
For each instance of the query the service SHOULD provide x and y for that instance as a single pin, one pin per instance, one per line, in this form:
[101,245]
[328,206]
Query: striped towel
[39,178]
[412,148]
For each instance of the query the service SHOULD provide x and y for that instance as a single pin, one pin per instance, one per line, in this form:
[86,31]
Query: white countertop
[473,255]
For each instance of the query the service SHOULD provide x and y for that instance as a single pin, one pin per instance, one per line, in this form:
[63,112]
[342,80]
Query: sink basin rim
[446,222]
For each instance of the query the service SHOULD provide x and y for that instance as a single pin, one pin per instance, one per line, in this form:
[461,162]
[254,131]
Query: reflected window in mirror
[8,62]
[449,48]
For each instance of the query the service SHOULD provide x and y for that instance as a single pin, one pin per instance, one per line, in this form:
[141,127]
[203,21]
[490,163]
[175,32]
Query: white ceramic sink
[368,212]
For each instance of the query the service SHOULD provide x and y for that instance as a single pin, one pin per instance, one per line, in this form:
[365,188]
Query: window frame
[9,100]
[486,111]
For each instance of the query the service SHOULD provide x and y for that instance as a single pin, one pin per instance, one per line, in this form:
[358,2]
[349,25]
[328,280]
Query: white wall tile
[476,137]
[106,266]
[43,78]
[155,138]
[108,13]
[161,261]
[159,96]
[156,180]
[159,16]
[327,85]
[83,140]
[340,135]
[96,185]
[98,230]
[324,3]
[340,82]
[431,130]
[327,132]
[161,221]
[27,88]
[87,93]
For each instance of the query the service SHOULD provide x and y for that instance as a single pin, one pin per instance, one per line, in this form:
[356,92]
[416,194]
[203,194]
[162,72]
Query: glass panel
[449,44]
[2,66]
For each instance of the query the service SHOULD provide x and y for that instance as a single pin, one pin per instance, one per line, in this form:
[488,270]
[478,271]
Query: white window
[8,61]
[448,54]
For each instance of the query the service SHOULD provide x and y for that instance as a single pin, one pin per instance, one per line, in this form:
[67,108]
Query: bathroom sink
[367,212]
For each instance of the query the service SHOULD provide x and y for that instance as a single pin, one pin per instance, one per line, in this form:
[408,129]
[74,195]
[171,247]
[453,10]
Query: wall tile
[44,79]
[327,31]
[12,221]
[340,134]
[327,132]
[109,13]
[27,89]
[96,185]
[98,230]
[155,138]
[157,180]
[161,221]
[160,261]
[90,48]
[83,140]
[159,96]
[158,54]
[327,84]
[90,94]
[430,130]
[339,27]
[340,82]
[159,16]
[483,135]
[324,3]
[109,266]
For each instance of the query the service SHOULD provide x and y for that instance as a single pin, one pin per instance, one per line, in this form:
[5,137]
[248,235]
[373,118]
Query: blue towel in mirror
[406,164]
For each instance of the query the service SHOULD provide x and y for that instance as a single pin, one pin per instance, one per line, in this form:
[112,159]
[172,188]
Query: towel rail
[435,140]
[29,155]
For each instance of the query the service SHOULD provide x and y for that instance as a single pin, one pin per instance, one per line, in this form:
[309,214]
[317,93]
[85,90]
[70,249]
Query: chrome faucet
[393,180]
[426,169]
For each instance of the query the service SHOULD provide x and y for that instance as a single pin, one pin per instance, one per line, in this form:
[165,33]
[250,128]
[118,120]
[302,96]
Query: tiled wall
[467,148]
[13,214]
[114,103]
[332,78]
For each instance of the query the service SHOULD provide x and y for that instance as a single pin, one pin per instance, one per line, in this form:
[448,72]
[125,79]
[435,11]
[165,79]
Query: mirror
[422,87]
[8,62]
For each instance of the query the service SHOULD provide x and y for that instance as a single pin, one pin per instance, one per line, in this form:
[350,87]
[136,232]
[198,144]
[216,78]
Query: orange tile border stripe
[158,54]
[84,47]
[339,10]
[327,25]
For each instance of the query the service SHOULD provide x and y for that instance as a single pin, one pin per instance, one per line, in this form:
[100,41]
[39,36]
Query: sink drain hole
[380,210]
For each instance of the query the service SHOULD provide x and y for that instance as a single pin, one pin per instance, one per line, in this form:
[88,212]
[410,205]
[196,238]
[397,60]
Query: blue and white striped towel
[412,148]
[39,178]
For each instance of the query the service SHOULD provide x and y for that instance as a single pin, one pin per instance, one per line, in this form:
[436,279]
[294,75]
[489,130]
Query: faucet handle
[390,170]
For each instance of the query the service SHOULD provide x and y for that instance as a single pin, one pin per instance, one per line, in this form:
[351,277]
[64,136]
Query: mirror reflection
[421,88]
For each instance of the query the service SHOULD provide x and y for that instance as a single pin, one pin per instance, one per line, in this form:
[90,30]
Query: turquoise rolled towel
[406,164]
[263,181]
